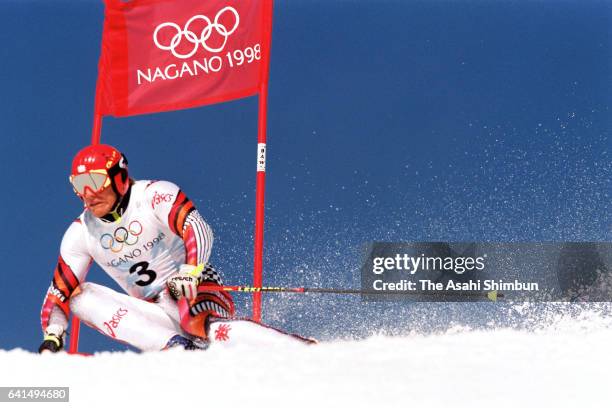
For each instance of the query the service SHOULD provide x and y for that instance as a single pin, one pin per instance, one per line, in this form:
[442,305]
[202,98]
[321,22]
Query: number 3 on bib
[141,269]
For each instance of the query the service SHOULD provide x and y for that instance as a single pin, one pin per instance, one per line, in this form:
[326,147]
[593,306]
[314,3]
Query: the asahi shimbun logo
[200,33]
[191,37]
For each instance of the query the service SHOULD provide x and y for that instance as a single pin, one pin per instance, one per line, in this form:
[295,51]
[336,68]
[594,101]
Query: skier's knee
[83,297]
[84,289]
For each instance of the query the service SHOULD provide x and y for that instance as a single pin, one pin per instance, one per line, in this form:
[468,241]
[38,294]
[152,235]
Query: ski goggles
[94,180]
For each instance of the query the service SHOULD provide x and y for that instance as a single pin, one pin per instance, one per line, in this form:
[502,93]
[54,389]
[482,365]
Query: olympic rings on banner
[193,38]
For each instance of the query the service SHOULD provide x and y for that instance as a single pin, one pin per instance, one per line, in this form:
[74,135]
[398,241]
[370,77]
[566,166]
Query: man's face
[100,203]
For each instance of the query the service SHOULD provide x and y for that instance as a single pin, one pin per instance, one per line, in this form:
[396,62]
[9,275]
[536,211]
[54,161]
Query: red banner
[160,55]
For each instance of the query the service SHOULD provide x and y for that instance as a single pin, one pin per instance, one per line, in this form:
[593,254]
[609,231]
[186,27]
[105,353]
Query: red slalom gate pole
[96,131]
[259,204]
[75,328]
[261,161]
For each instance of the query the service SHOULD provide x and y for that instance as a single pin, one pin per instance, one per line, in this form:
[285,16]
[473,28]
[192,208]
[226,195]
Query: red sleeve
[62,286]
[72,266]
[178,214]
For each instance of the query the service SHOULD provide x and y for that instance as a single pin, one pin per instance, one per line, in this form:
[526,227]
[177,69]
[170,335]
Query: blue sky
[389,121]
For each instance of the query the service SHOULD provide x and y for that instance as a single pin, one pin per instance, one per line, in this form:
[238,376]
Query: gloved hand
[53,340]
[185,282]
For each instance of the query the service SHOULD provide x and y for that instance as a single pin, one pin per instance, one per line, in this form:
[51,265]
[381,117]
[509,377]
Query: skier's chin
[99,209]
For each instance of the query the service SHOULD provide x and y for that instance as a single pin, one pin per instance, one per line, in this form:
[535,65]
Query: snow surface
[564,365]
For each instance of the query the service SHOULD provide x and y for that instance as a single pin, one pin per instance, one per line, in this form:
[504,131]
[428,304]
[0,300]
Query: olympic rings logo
[122,235]
[192,37]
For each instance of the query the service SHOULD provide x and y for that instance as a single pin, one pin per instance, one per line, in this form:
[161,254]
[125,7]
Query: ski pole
[492,295]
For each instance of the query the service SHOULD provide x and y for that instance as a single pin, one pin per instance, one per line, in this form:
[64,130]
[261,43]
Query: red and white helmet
[98,166]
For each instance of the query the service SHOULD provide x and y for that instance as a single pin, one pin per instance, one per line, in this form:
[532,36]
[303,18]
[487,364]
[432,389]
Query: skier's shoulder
[75,233]
[77,224]
[158,191]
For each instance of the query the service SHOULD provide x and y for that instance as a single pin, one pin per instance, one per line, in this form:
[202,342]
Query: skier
[149,237]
